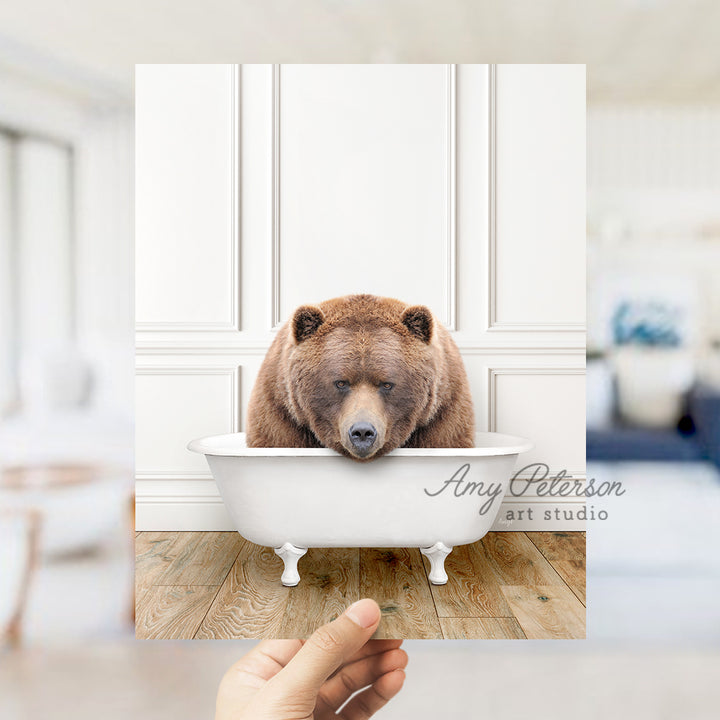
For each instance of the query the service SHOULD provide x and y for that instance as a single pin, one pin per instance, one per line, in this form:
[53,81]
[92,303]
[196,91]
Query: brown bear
[362,375]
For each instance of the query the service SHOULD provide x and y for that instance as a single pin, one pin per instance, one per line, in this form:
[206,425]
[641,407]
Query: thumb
[327,649]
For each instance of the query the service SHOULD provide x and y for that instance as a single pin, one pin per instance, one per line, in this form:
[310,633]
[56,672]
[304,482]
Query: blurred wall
[7,314]
[653,208]
[66,248]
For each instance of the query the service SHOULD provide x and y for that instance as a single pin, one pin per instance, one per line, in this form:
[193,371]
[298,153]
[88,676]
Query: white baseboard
[181,516]
[204,510]
[535,515]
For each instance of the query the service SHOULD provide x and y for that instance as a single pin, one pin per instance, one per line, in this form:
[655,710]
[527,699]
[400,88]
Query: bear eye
[341,384]
[387,385]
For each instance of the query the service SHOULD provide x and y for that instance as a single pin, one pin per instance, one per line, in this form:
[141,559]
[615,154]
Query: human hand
[312,679]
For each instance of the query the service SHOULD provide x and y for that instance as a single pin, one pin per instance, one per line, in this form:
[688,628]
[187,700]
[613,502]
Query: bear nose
[362,435]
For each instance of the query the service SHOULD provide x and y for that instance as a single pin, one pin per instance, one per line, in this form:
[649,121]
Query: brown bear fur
[330,367]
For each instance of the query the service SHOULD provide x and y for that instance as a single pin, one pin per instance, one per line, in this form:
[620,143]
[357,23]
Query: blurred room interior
[653,368]
[66,361]
[66,331]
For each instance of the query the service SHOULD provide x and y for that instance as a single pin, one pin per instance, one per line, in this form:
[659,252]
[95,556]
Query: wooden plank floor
[217,585]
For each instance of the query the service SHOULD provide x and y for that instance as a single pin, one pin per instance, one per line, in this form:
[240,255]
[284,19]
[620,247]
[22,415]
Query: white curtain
[7,316]
[37,269]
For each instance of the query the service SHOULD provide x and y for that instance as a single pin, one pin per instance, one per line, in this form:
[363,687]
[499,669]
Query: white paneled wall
[539,115]
[185,197]
[365,165]
[174,402]
[263,187]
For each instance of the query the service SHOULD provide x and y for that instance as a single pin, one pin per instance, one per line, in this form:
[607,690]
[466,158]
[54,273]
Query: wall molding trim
[496,326]
[178,499]
[260,347]
[191,498]
[450,239]
[185,475]
[449,317]
[494,372]
[168,491]
[197,513]
[231,371]
[521,350]
[491,385]
[493,324]
[275,312]
[232,325]
[196,349]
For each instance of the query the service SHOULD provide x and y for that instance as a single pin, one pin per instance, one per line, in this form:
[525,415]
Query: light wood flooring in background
[217,585]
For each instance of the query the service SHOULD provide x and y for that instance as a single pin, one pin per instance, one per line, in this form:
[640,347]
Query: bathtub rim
[233,445]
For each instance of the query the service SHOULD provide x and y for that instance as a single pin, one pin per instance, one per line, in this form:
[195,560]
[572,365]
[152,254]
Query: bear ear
[306,321]
[419,321]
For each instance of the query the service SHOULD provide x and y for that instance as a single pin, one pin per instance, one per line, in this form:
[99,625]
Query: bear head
[362,372]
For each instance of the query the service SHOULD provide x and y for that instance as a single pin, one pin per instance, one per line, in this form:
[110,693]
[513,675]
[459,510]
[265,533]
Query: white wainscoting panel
[546,405]
[176,404]
[365,171]
[175,509]
[537,248]
[186,201]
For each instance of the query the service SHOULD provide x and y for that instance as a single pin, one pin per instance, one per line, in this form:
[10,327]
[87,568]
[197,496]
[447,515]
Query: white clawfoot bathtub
[295,498]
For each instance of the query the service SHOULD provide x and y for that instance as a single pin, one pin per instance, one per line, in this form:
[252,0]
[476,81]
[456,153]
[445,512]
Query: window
[37,268]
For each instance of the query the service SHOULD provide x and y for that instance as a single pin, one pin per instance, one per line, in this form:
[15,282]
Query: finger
[374,647]
[355,676]
[265,660]
[249,674]
[279,651]
[326,649]
[370,700]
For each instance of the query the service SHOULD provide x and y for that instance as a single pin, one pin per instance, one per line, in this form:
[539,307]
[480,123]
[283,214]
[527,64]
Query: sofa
[696,437]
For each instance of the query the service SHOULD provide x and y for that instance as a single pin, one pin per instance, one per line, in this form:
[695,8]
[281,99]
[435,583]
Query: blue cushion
[704,406]
[625,443]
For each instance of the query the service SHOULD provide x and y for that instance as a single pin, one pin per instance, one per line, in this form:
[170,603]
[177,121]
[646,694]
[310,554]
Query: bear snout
[362,437]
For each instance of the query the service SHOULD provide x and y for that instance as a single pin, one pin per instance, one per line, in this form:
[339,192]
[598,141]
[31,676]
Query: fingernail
[364,613]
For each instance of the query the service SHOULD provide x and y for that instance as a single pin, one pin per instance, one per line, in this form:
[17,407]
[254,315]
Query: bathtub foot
[437,554]
[290,556]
